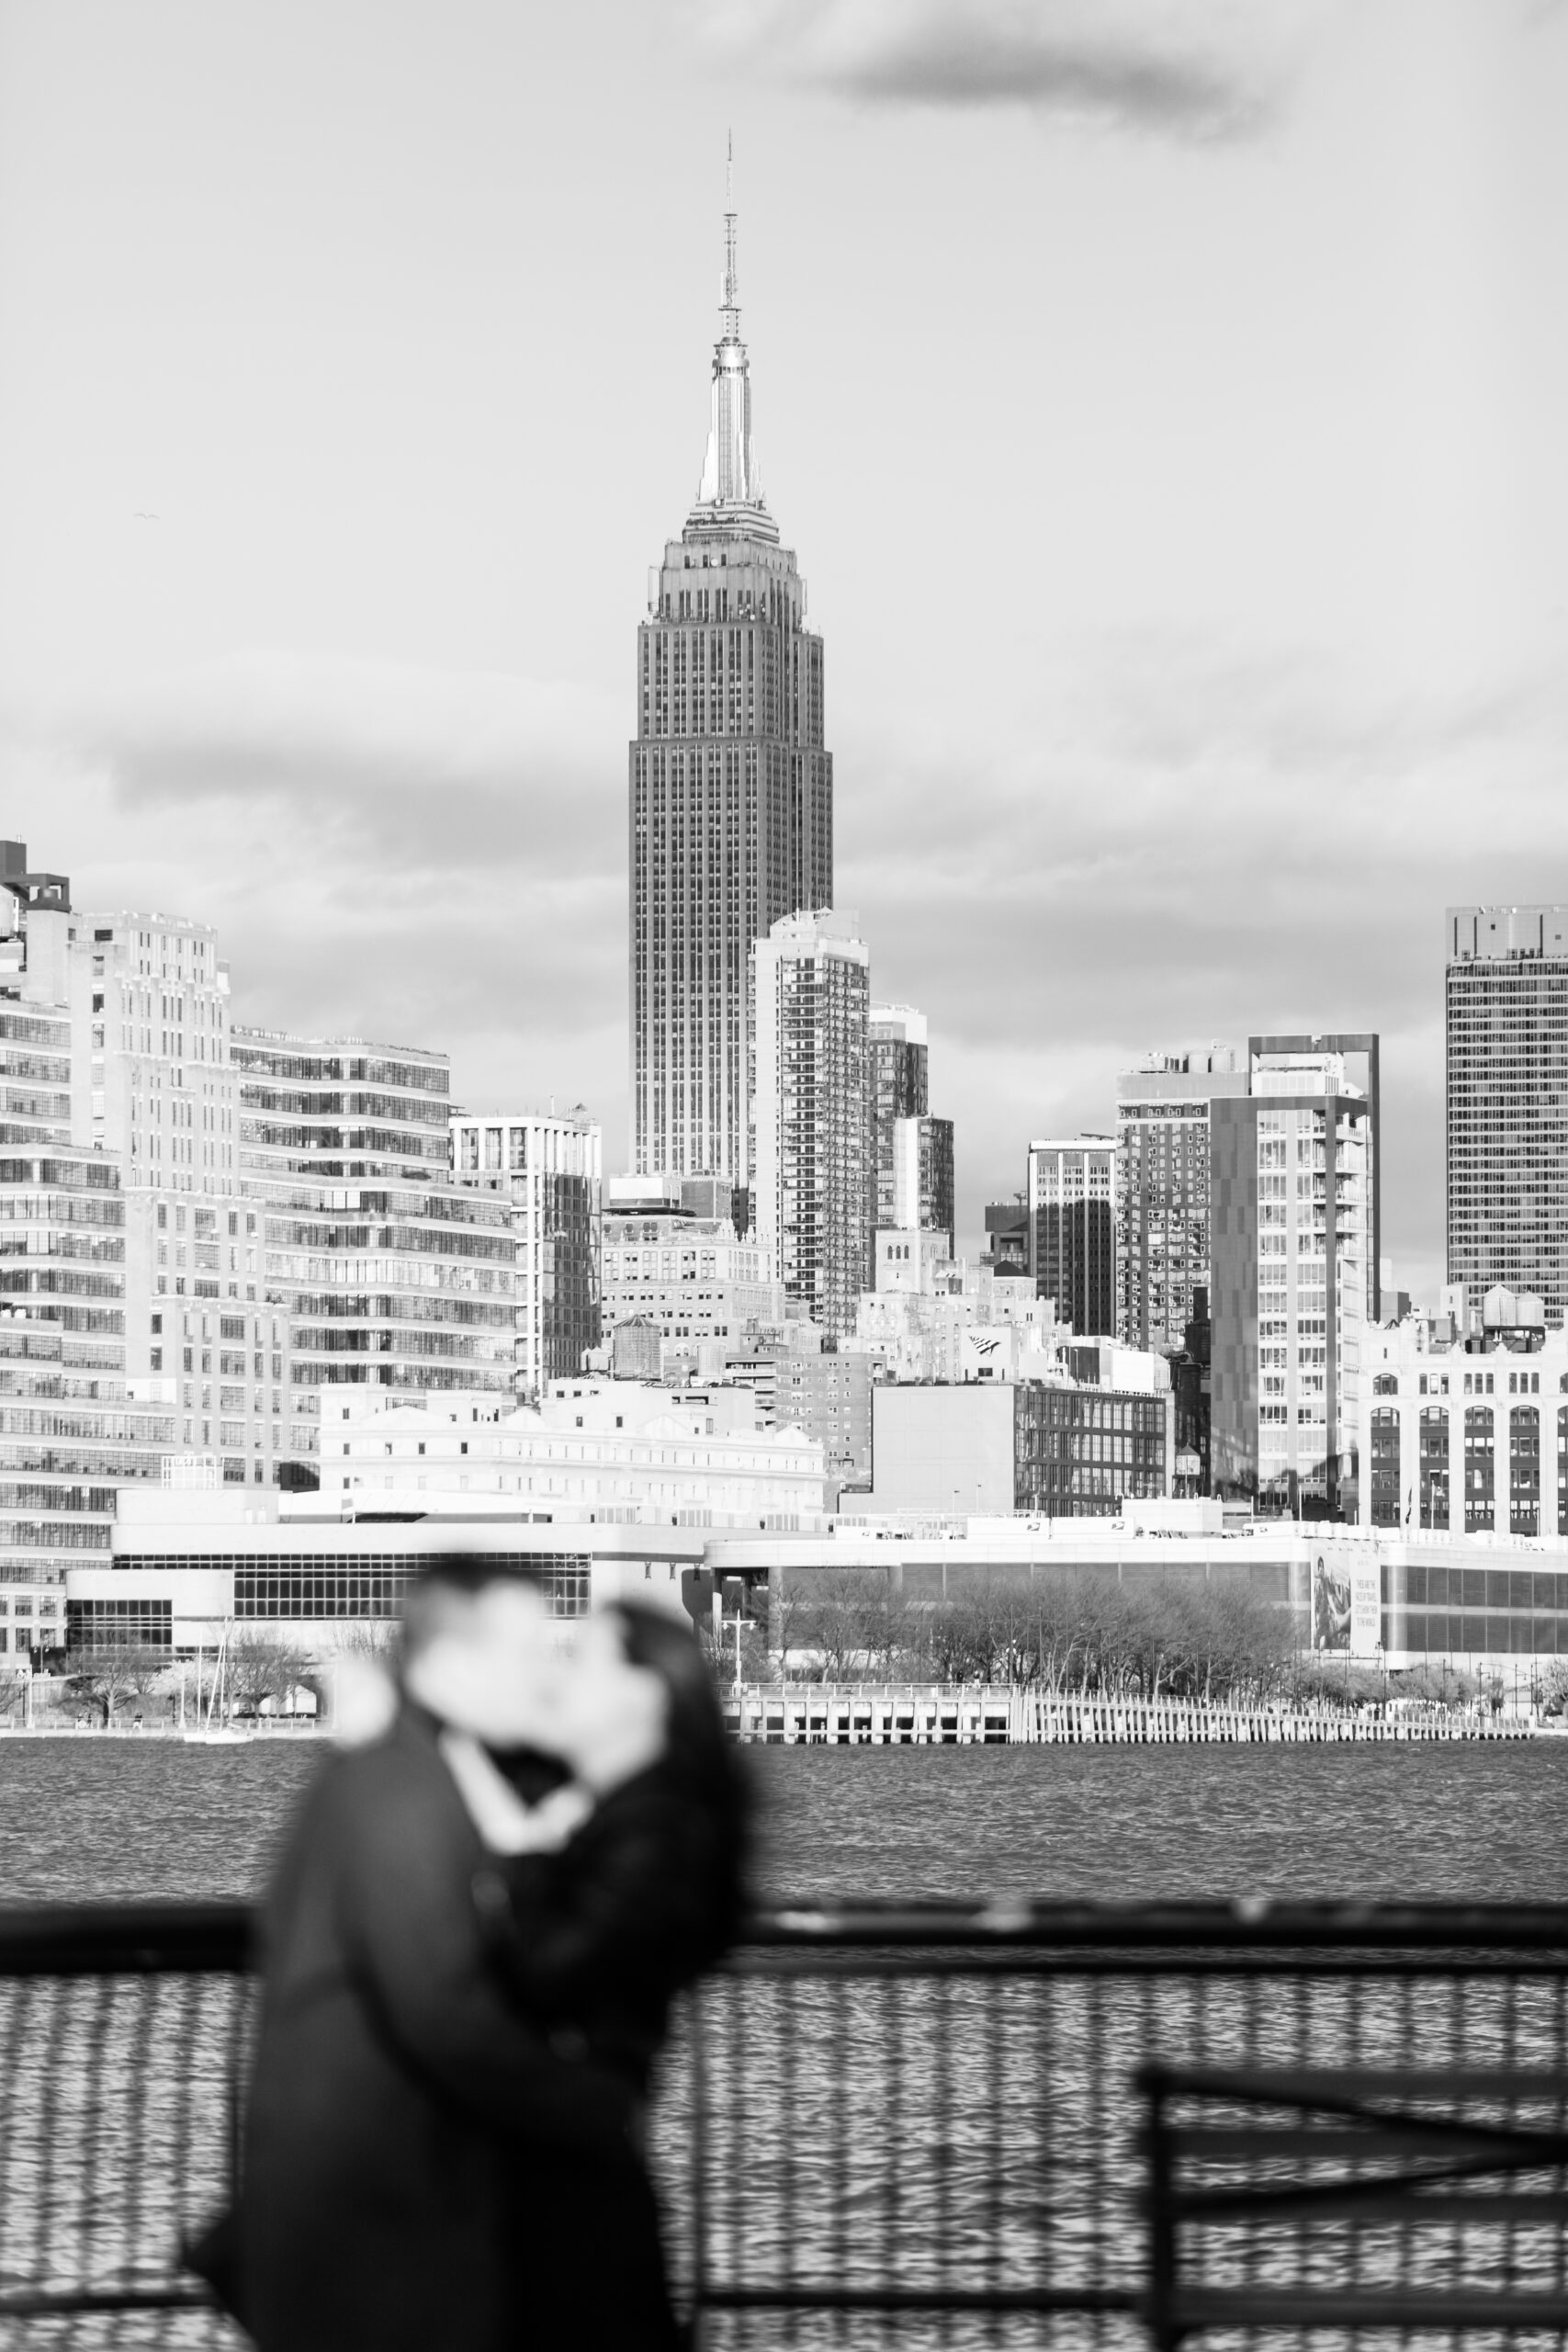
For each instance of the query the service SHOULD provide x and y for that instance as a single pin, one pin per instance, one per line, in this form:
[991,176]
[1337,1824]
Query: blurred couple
[493,1893]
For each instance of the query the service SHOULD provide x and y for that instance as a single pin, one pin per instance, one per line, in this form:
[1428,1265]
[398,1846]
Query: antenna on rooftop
[731,304]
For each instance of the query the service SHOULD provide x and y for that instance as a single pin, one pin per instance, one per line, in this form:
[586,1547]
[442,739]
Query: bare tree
[1554,1687]
[260,1666]
[107,1676]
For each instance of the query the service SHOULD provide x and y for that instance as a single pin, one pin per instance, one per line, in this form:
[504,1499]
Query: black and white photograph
[783,981]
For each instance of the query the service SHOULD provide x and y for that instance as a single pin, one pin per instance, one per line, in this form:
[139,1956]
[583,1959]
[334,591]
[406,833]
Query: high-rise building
[152,1016]
[1072,1229]
[1162,1223]
[1294,1217]
[811,1172]
[73,1426]
[1507,1101]
[919,1197]
[732,788]
[388,1272]
[901,1089]
[548,1168]
[914,1151]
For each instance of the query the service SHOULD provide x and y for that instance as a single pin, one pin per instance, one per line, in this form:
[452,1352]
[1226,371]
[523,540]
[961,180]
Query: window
[1433,1467]
[1480,1474]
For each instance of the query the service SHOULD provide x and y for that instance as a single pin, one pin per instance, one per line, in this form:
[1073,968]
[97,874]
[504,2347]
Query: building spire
[730,477]
[730,307]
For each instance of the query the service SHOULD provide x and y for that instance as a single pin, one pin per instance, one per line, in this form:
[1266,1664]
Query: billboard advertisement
[1347,1600]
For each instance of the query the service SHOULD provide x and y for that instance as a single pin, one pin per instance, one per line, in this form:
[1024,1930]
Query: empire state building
[731,797]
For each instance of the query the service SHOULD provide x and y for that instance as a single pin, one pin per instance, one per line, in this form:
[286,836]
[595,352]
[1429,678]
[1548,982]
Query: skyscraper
[812,1176]
[73,1426]
[1162,1225]
[1293,1257]
[1508,1100]
[731,789]
[391,1274]
[1072,1230]
[913,1151]
[548,1168]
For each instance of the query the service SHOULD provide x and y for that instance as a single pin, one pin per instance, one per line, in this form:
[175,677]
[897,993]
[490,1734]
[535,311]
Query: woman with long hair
[602,1902]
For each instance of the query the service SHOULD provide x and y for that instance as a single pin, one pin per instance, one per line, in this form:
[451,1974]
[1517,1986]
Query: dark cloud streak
[1195,72]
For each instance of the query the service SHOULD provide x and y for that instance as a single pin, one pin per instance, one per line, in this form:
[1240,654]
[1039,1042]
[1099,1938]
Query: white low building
[1496,1605]
[619,1451]
[191,1569]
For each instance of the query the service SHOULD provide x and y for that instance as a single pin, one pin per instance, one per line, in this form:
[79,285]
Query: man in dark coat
[394,2085]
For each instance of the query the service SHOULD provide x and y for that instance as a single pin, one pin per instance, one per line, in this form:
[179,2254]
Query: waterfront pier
[933,1714]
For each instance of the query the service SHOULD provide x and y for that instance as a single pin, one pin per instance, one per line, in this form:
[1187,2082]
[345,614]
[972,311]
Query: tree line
[1073,1633]
[119,1680]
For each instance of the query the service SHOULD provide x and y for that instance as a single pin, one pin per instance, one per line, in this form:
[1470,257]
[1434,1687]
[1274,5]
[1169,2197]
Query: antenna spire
[731,304]
[729,470]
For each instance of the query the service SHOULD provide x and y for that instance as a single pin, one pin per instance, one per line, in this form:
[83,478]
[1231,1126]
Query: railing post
[1164,2331]
[698,2177]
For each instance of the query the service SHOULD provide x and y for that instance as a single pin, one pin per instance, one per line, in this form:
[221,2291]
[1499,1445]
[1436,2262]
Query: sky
[1165,399]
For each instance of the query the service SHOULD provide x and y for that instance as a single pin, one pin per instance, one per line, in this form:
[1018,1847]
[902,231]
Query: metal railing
[925,2124]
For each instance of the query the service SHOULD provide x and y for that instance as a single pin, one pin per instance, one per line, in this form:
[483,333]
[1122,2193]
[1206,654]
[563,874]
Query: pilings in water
[884,1715]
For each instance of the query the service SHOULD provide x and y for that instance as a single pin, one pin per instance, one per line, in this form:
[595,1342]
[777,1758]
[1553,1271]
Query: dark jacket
[600,1938]
[395,2088]
[595,1943]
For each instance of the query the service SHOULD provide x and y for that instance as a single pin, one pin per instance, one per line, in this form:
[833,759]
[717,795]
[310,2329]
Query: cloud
[1181,843]
[409,854]
[1196,70]
[1165,837]
[454,768]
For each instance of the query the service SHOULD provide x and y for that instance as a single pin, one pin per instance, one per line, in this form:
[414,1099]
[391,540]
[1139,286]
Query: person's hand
[505,1823]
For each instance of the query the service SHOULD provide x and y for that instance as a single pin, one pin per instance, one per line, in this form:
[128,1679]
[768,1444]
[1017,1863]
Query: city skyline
[317,600]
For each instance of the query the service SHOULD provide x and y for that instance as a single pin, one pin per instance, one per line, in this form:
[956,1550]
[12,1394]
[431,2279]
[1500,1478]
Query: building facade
[152,1013]
[1052,1449]
[1071,1198]
[189,1569]
[1467,1437]
[591,1449]
[900,1090]
[731,787]
[388,1272]
[810,1148]
[73,1426]
[547,1168]
[690,1278]
[920,1190]
[1162,1223]
[1506,1024]
[1292,1189]
[827,1397]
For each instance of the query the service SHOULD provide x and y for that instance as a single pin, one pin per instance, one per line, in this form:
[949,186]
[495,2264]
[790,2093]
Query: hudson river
[89,1819]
